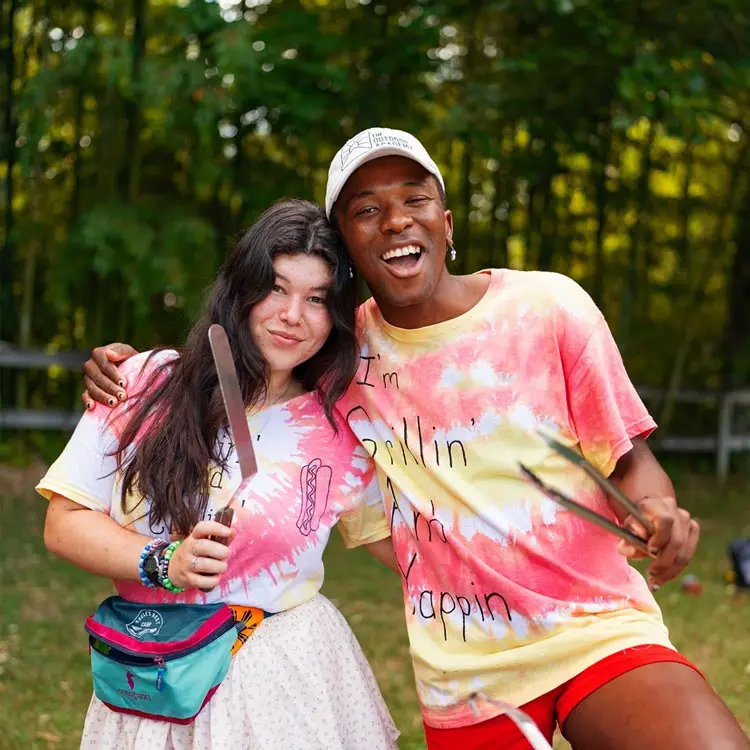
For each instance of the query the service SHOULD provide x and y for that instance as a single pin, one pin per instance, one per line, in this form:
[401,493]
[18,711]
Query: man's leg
[654,707]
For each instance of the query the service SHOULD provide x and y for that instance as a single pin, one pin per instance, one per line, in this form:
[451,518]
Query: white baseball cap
[372,144]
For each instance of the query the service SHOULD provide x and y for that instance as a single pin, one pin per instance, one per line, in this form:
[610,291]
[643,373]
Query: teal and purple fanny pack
[159,661]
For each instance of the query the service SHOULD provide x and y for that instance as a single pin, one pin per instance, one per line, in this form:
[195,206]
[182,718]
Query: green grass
[44,677]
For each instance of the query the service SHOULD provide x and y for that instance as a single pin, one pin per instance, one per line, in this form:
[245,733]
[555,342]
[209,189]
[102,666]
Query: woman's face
[292,323]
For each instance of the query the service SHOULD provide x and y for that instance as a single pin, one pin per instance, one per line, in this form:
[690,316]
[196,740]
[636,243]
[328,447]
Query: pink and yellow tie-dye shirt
[309,480]
[506,593]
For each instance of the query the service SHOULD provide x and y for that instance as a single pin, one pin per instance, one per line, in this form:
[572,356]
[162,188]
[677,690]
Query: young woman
[135,478]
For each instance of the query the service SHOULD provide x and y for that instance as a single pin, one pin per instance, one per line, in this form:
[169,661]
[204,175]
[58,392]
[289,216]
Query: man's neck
[453,296]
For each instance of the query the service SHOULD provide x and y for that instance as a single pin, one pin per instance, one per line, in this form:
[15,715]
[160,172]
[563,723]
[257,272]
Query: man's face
[396,228]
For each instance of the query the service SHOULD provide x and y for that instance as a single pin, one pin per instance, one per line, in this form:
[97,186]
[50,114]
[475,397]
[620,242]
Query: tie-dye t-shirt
[506,593]
[309,480]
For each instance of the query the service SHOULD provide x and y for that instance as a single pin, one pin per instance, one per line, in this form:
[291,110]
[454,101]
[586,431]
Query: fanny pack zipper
[136,658]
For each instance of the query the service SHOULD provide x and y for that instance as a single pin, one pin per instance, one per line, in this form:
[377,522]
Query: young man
[507,597]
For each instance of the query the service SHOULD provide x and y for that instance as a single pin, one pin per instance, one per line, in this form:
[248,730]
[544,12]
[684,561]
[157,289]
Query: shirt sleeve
[85,470]
[605,410]
[367,522]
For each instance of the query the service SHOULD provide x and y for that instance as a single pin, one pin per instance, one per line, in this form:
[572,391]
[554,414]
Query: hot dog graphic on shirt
[315,484]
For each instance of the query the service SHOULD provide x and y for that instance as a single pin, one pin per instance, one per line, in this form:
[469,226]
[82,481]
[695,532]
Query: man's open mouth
[403,258]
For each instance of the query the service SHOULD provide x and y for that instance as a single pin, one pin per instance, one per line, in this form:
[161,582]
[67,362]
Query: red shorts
[551,708]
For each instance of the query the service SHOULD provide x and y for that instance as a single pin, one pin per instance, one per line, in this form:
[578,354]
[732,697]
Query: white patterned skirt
[301,682]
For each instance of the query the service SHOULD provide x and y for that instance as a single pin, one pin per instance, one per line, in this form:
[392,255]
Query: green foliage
[142,248]
[601,138]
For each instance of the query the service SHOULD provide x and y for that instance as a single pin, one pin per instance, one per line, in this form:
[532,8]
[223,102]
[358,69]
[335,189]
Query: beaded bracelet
[147,550]
[165,582]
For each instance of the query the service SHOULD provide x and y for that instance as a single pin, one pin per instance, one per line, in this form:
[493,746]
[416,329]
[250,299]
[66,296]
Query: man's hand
[102,379]
[673,542]
[675,538]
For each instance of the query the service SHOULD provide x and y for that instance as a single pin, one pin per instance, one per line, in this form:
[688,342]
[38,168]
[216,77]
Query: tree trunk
[547,224]
[632,292]
[563,232]
[75,197]
[7,311]
[602,199]
[33,246]
[687,308]
[217,212]
[109,150]
[464,262]
[464,234]
[737,331]
[736,370]
[133,106]
[683,241]
[529,255]
[498,229]
[238,172]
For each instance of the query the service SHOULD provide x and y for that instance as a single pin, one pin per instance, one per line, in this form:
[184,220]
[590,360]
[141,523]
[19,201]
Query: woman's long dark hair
[173,428]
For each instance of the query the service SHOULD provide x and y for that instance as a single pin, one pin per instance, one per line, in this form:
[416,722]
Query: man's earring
[351,271]
[453,252]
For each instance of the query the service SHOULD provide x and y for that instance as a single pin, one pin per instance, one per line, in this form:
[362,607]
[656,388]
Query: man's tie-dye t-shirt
[507,594]
[309,480]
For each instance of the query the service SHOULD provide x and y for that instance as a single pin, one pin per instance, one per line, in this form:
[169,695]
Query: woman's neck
[281,386]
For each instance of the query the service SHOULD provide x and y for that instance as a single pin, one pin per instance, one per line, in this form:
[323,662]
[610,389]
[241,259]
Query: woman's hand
[199,563]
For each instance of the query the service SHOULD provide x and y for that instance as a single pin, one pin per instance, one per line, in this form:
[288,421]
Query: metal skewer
[587,513]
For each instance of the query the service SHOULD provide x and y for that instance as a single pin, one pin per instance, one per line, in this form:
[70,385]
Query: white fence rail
[723,444]
[36,359]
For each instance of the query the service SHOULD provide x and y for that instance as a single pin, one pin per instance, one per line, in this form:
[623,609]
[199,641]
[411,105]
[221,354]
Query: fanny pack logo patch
[146,622]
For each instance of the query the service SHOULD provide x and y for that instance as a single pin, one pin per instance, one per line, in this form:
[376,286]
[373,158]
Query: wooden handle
[224,517]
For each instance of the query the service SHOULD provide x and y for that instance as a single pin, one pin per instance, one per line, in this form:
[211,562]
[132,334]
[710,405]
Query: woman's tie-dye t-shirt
[506,593]
[309,480]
